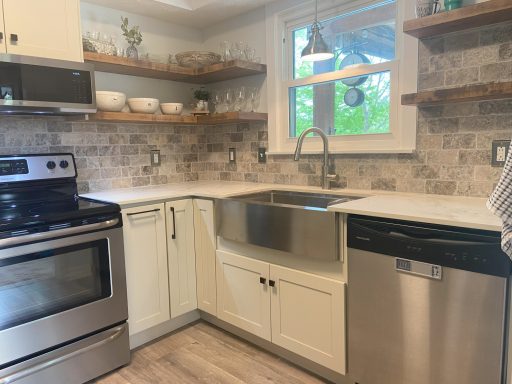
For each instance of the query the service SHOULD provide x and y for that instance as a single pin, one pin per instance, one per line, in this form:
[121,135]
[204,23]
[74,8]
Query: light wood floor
[202,354]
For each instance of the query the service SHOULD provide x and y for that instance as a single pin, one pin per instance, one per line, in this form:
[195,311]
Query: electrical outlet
[155,158]
[500,150]
[232,155]
[262,155]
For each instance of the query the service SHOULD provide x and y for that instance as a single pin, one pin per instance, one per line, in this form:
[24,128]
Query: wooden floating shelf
[473,16]
[491,91]
[218,72]
[141,118]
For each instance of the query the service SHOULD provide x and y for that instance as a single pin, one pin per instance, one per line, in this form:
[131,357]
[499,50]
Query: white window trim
[401,139]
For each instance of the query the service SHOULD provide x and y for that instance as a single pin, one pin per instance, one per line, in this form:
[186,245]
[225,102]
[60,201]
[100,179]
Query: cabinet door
[205,256]
[2,30]
[308,316]
[182,258]
[49,28]
[242,299]
[146,266]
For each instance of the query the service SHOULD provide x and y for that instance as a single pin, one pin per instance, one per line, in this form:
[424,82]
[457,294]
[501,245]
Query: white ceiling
[193,13]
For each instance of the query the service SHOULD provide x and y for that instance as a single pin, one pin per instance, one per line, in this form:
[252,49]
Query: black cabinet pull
[14,37]
[1,35]
[140,213]
[272,283]
[263,280]
[173,223]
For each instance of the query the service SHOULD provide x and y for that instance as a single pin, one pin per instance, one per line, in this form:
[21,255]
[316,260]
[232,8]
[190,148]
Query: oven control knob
[51,165]
[64,164]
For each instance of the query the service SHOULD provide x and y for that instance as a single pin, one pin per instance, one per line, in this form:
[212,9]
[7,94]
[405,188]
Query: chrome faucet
[326,177]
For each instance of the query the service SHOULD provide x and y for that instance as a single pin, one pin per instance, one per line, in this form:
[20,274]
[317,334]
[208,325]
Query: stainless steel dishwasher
[426,304]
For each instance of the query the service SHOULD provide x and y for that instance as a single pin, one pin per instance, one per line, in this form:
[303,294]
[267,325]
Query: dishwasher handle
[421,234]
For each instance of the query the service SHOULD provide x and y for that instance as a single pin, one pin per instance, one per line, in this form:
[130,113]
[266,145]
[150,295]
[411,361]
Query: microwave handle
[14,241]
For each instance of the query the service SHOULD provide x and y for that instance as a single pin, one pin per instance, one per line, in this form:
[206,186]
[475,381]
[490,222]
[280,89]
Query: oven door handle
[115,334]
[13,241]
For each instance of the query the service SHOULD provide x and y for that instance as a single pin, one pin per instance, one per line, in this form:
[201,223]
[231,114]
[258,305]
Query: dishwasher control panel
[426,249]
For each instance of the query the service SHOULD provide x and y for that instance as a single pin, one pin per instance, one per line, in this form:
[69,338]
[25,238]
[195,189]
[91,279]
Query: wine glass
[240,93]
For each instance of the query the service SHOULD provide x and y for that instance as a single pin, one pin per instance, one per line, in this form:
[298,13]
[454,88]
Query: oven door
[57,291]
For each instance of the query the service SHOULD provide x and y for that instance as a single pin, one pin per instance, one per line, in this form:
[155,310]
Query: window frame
[281,23]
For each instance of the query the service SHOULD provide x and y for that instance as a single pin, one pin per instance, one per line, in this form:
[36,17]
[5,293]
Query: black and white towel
[500,203]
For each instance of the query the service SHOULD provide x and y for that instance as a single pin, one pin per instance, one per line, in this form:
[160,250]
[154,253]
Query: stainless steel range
[63,306]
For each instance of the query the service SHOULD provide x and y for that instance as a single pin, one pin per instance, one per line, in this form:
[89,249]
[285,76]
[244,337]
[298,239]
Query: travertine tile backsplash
[452,156]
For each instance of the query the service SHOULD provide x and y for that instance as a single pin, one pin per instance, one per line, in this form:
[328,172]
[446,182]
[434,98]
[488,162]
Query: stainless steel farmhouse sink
[294,222]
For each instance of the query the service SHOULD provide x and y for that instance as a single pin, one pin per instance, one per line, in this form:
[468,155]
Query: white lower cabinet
[205,243]
[243,297]
[298,311]
[181,256]
[308,316]
[146,266]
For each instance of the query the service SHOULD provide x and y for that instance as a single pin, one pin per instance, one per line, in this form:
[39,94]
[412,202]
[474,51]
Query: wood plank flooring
[202,353]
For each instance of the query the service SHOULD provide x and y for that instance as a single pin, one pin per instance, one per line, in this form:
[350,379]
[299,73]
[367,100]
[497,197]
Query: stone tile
[462,76]
[443,125]
[383,184]
[430,80]
[459,141]
[458,172]
[425,172]
[479,56]
[474,188]
[438,187]
[461,41]
[501,33]
[477,123]
[474,157]
[496,72]
[505,52]
[446,61]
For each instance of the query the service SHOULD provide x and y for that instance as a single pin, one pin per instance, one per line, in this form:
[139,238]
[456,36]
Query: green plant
[132,35]
[202,94]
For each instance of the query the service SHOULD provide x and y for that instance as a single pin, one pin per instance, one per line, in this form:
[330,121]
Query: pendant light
[317,49]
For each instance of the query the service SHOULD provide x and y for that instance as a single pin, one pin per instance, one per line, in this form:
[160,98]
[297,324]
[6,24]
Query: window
[354,97]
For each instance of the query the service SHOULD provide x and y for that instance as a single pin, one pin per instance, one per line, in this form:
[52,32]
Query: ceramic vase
[452,4]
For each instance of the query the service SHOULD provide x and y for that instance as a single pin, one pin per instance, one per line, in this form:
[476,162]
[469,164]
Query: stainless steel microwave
[31,85]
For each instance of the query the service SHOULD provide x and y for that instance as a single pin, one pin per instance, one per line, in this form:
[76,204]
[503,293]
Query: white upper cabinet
[146,266]
[43,28]
[308,316]
[182,258]
[205,256]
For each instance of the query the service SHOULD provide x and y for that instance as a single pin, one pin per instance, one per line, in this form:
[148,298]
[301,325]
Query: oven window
[41,284]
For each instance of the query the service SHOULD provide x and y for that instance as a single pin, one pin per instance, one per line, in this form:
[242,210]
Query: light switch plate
[232,155]
[156,161]
[500,150]
[262,155]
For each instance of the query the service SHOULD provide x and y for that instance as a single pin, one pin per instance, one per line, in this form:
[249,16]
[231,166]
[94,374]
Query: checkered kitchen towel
[500,203]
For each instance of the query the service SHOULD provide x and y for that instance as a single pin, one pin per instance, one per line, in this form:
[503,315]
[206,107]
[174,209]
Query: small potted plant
[133,37]
[202,96]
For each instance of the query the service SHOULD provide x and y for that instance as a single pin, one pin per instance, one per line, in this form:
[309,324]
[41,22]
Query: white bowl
[143,105]
[110,101]
[171,108]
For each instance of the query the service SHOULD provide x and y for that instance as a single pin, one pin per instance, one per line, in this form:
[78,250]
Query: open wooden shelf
[141,118]
[210,74]
[491,91]
[473,16]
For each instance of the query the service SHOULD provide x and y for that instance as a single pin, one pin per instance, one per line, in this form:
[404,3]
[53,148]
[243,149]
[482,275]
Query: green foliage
[202,94]
[369,118]
[133,35]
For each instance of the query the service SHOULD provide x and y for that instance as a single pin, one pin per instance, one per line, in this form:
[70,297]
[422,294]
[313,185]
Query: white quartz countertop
[465,212]
[444,210]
